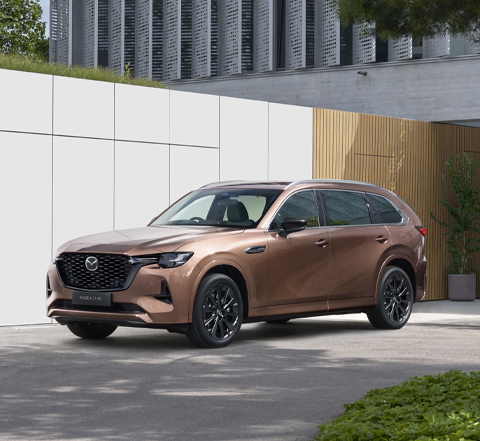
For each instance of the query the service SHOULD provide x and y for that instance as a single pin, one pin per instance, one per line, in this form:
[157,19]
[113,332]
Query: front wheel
[91,330]
[217,312]
[395,300]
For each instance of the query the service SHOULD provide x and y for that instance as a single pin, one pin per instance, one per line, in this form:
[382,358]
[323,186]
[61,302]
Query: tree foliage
[21,29]
[416,18]
[463,224]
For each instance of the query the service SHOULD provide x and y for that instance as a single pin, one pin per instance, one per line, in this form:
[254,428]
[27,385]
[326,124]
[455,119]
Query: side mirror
[291,224]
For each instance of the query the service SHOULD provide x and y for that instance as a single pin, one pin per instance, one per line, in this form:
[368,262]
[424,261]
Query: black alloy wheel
[94,331]
[395,300]
[217,312]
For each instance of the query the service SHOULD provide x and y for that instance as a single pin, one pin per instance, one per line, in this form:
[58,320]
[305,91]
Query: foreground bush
[27,64]
[444,407]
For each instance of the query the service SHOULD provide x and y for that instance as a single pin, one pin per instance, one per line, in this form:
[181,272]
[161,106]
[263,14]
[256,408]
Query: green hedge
[27,64]
[444,407]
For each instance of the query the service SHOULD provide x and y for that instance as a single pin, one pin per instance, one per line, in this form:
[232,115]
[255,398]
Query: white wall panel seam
[26,132]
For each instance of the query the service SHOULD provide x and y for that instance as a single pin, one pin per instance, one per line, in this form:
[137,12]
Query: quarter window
[386,211]
[346,208]
[302,205]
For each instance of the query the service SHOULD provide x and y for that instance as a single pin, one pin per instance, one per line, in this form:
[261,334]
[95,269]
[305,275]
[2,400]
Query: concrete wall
[79,157]
[445,89]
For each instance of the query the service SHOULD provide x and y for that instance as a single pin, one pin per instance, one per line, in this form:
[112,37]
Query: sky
[45,4]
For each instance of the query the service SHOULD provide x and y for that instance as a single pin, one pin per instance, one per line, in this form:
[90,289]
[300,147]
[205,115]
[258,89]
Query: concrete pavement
[276,382]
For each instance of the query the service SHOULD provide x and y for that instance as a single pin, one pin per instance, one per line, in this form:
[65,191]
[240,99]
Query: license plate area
[92,298]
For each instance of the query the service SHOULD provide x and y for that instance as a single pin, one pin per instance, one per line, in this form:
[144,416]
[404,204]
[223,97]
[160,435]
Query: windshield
[220,208]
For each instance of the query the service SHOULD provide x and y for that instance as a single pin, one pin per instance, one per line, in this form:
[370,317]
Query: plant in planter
[463,226]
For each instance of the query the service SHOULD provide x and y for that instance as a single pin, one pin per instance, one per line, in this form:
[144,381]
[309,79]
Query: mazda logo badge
[91,263]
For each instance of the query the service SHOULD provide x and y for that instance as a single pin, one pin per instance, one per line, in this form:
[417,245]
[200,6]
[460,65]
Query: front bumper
[134,306]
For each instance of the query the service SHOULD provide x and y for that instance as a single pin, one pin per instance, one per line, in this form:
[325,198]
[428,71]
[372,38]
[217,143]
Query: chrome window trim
[366,203]
[405,218]
[289,196]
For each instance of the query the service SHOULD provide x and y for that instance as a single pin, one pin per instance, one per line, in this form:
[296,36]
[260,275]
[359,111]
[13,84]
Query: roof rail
[332,181]
[223,183]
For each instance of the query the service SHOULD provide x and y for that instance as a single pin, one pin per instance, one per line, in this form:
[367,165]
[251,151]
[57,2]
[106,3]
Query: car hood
[144,240]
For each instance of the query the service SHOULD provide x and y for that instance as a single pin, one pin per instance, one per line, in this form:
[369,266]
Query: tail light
[422,230]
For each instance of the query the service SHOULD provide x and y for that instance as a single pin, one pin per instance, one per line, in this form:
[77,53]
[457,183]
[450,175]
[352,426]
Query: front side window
[236,208]
[302,205]
[346,208]
[385,210]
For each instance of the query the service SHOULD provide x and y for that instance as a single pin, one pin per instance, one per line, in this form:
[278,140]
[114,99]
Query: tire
[92,331]
[217,312]
[277,322]
[395,300]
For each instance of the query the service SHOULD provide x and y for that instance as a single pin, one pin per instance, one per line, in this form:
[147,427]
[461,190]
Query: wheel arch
[229,269]
[401,261]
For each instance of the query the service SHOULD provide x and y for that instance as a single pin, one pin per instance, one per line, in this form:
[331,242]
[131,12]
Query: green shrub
[28,64]
[463,209]
[444,407]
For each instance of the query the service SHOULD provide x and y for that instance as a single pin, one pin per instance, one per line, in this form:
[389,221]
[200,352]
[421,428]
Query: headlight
[166,260]
[172,260]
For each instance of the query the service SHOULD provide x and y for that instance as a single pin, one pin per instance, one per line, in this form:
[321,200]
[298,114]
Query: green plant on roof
[27,64]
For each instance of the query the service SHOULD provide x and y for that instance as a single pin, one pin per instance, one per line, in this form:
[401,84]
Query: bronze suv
[240,251]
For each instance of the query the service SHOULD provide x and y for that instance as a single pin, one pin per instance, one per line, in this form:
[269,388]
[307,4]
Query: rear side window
[346,208]
[302,205]
[385,209]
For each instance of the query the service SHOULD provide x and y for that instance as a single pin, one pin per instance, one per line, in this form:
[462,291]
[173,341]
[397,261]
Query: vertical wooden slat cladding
[404,156]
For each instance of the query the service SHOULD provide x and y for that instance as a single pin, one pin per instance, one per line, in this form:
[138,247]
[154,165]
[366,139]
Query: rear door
[358,248]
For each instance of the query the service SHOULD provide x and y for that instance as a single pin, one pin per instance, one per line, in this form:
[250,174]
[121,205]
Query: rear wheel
[217,312]
[91,330]
[395,300]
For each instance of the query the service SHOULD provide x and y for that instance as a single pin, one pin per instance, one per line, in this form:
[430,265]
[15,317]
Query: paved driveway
[276,382]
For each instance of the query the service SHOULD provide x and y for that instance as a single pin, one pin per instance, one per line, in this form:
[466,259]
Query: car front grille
[112,273]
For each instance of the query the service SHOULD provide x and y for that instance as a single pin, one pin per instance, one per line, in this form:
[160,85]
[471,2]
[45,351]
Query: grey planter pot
[462,287]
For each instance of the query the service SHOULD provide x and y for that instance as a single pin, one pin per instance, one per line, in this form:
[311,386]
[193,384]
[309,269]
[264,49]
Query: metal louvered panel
[90,20]
[186,39]
[201,38]
[53,30]
[364,46]
[115,52]
[63,53]
[143,41]
[247,36]
[295,34]
[263,33]
[102,36]
[436,47]
[400,49]
[171,43]
[310,33]
[157,39]
[129,36]
[230,43]
[214,38]
[328,28]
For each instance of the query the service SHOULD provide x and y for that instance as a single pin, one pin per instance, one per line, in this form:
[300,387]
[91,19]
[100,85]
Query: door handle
[381,239]
[321,243]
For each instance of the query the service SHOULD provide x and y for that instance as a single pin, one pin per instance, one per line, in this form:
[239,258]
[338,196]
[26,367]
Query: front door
[298,263]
